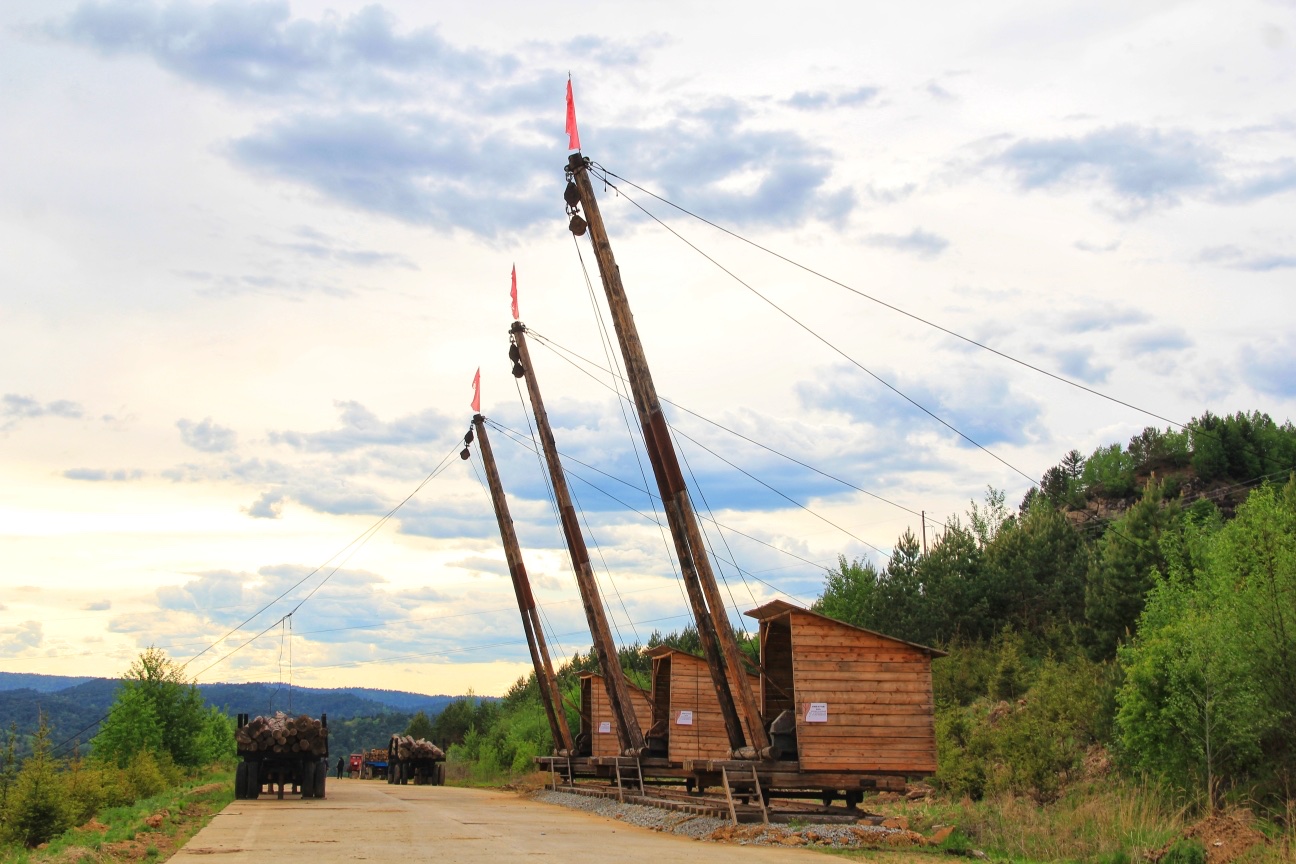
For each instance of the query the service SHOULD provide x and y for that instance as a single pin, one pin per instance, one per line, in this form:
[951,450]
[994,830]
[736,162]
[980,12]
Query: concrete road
[369,820]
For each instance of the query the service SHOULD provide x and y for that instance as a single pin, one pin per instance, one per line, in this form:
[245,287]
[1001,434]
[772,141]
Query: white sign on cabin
[685,718]
[816,712]
[605,728]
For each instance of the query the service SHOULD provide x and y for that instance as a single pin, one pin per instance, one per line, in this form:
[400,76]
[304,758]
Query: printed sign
[685,718]
[816,712]
[605,727]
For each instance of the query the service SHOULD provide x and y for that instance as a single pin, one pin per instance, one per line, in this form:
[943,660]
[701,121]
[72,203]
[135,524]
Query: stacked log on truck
[281,753]
[416,759]
[375,764]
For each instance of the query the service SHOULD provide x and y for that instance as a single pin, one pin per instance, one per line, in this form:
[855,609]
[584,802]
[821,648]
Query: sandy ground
[366,820]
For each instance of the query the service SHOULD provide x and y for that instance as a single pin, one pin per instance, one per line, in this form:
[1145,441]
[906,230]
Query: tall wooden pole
[545,678]
[727,673]
[628,730]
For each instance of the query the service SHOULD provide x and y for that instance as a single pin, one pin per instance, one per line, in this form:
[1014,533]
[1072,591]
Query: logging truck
[415,759]
[281,753]
[375,765]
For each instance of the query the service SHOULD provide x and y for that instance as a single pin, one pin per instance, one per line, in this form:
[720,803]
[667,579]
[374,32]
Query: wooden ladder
[563,772]
[743,786]
[633,773]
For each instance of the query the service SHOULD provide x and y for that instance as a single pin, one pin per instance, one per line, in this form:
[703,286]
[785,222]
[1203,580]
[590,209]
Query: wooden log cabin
[861,701]
[685,706]
[597,725]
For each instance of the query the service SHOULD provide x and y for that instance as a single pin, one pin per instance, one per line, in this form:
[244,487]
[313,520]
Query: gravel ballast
[720,830]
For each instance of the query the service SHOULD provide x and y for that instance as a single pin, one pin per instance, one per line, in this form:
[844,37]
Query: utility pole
[545,678]
[733,690]
[628,730]
[923,517]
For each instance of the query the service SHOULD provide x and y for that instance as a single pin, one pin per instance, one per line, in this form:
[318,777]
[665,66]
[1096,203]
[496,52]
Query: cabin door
[778,691]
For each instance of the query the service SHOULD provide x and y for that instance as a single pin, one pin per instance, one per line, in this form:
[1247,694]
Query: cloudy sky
[251,254]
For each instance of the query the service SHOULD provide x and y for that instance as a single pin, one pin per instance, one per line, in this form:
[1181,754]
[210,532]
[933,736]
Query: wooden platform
[716,807]
[778,779]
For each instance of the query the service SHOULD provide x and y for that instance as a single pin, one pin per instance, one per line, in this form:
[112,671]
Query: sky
[252,253]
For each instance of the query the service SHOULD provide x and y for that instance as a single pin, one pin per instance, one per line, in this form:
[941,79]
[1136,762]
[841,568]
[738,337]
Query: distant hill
[39,683]
[73,706]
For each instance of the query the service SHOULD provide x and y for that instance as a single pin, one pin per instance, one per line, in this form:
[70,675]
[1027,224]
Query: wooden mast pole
[545,678]
[727,673]
[628,731]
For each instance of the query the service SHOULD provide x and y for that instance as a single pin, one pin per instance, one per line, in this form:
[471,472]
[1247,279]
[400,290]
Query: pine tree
[420,727]
[8,771]
[39,808]
[1122,570]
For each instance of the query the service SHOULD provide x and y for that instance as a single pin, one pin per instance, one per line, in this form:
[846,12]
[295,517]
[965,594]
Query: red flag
[573,137]
[476,403]
[513,293]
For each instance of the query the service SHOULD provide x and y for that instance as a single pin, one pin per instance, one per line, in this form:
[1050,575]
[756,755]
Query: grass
[123,834]
[1111,819]
[1110,823]
[1113,822]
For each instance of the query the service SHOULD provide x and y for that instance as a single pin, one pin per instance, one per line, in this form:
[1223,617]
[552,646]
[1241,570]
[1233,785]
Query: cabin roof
[663,650]
[779,607]
[629,683]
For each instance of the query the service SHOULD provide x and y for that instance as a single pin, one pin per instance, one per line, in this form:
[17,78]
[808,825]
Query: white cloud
[251,254]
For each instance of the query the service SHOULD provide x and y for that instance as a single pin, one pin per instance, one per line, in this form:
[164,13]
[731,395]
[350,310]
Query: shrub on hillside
[38,806]
[1028,746]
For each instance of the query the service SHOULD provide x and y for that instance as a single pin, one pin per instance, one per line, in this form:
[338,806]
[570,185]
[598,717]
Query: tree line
[1165,635]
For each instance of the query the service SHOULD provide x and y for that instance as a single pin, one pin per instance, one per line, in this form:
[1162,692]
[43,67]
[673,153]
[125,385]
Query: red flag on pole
[476,403]
[513,293]
[573,137]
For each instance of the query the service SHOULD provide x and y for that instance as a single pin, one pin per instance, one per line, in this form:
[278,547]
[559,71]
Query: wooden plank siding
[878,692]
[691,689]
[600,711]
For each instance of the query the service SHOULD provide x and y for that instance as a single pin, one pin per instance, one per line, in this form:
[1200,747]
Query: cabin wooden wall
[607,743]
[691,690]
[881,713]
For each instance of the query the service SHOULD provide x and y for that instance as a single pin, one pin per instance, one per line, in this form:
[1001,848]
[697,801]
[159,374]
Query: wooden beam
[545,677]
[719,644]
[629,733]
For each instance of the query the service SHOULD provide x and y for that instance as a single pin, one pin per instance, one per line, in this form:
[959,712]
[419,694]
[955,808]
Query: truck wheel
[240,780]
[253,788]
[321,776]
[307,770]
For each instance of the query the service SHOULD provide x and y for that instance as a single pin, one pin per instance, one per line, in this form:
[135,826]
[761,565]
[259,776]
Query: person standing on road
[339,767]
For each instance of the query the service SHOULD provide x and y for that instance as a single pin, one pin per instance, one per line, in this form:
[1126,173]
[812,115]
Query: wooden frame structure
[686,715]
[861,701]
[598,720]
[835,709]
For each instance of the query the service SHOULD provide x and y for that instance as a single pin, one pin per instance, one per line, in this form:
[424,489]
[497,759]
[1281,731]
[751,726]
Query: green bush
[1027,746]
[960,752]
[86,784]
[145,776]
[964,676]
[1185,851]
